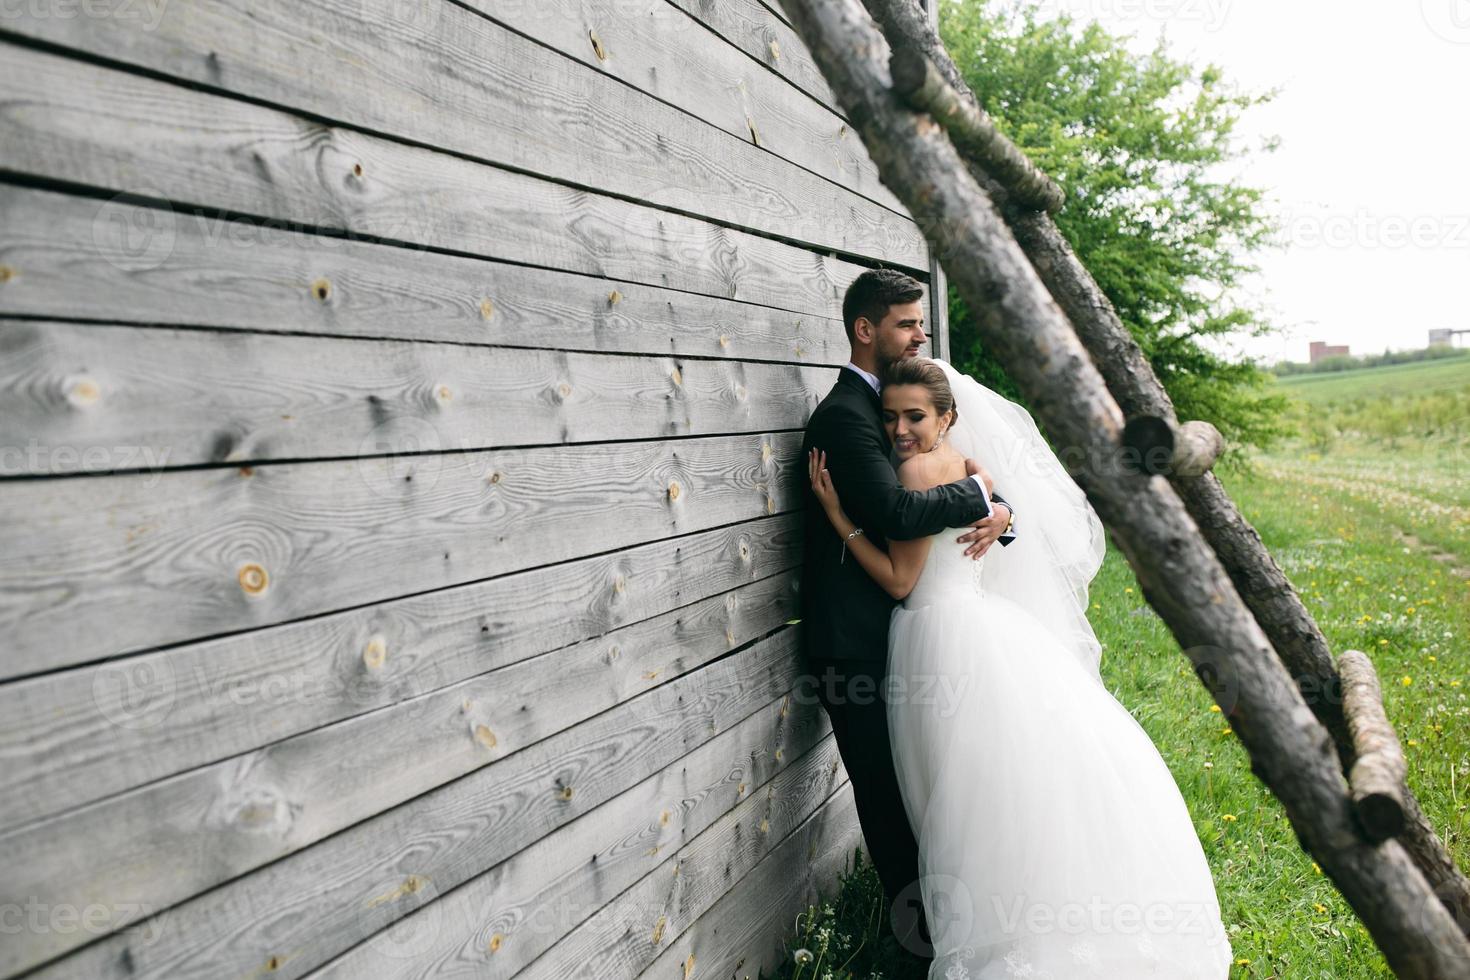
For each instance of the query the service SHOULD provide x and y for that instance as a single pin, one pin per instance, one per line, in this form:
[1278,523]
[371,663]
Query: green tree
[1138,143]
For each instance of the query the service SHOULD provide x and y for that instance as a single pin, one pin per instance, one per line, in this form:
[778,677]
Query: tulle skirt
[1053,840]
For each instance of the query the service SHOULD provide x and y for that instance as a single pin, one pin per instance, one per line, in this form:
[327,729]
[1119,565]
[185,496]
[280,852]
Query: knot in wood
[82,391]
[254,579]
[375,653]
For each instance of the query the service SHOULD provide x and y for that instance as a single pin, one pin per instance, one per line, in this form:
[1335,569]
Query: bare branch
[1377,778]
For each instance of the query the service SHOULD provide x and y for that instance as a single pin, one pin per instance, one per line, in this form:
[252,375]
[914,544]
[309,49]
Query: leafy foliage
[1137,143]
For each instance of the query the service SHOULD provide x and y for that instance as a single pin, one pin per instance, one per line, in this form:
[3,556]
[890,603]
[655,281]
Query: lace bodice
[947,573]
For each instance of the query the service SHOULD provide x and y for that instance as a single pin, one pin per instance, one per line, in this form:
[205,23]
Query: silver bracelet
[855,532]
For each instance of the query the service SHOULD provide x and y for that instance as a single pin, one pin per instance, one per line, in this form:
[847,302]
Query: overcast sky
[1371,175]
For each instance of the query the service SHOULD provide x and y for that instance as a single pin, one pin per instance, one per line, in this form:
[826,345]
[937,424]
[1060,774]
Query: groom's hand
[973,468]
[986,530]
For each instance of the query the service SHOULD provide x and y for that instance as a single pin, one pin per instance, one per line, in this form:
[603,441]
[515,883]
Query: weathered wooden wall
[397,527]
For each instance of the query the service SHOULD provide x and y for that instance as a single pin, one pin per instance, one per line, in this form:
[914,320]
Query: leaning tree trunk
[1131,380]
[1181,577]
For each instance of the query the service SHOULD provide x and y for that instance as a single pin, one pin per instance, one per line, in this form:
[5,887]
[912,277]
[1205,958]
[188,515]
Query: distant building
[1443,337]
[1321,349]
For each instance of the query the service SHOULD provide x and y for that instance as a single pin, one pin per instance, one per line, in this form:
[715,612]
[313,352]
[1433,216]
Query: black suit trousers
[854,694]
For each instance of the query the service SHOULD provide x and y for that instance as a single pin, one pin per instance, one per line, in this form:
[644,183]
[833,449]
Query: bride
[1053,842]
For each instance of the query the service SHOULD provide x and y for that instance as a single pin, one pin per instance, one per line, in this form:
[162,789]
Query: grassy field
[1369,514]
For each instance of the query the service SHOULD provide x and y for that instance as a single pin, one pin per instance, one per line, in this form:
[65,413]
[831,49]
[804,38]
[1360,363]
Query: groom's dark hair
[873,292]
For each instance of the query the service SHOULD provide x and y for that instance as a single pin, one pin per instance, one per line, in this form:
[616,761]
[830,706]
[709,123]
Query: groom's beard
[884,359]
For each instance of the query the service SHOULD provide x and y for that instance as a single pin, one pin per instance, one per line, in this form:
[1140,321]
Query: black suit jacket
[844,613]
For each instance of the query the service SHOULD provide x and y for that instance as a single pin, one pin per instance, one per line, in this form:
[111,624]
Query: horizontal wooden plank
[743,933]
[766,38]
[224,273]
[628,933]
[456,80]
[664,51]
[97,566]
[497,923]
[74,736]
[94,398]
[301,911]
[250,810]
[122,132]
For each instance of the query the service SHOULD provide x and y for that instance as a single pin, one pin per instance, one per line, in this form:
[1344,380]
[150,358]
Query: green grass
[1451,374]
[1374,531]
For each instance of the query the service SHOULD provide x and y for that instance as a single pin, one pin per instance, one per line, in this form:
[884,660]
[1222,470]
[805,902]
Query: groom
[844,617]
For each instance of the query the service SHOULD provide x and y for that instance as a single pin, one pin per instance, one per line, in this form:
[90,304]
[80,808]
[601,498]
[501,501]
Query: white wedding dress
[1053,840]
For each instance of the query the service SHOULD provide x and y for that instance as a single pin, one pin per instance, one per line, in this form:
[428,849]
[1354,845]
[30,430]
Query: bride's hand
[822,481]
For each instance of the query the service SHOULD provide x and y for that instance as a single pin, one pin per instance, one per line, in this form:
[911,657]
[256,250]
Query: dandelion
[1316,867]
[802,957]
[1406,680]
[1128,590]
[1226,730]
[1320,907]
[1209,765]
[1214,707]
[1413,741]
[1228,817]
[1383,643]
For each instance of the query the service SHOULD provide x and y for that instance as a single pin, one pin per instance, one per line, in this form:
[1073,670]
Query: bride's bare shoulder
[925,470]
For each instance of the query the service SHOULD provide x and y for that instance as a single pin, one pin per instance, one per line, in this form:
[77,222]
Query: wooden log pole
[1156,445]
[972,130]
[1181,577]
[1377,777]
[1265,588]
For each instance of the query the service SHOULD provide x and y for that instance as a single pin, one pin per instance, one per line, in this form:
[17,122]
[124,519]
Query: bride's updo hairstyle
[925,373]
